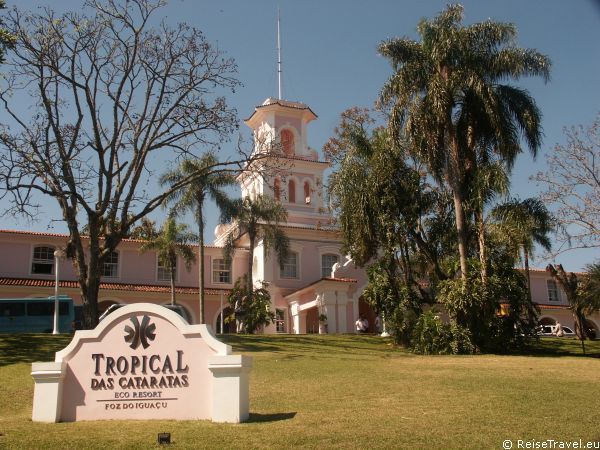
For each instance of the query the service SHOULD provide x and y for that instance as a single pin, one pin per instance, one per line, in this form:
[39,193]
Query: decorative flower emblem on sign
[140,333]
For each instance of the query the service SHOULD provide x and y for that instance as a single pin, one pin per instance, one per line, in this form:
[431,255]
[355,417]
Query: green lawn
[344,392]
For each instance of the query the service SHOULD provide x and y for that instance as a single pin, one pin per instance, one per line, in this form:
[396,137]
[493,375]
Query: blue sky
[331,63]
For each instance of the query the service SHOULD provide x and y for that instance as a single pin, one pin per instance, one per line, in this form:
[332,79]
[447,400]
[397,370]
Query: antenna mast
[278,54]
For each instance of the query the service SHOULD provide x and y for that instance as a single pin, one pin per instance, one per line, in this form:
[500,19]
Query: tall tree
[523,224]
[448,96]
[173,241]
[572,184]
[111,90]
[260,219]
[205,185]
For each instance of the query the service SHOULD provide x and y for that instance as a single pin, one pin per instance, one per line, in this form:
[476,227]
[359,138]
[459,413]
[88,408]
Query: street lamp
[58,254]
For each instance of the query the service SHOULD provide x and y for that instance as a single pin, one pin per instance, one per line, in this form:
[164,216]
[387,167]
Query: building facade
[317,290]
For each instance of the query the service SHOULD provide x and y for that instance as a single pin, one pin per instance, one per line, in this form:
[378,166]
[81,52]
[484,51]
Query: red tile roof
[546,306]
[339,280]
[30,282]
[66,236]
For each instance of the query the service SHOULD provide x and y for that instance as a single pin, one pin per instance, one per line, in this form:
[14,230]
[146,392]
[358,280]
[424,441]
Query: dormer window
[287,142]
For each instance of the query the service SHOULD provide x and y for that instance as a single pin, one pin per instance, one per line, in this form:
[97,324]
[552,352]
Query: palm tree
[206,184]
[447,95]
[523,224]
[259,219]
[488,181]
[582,294]
[172,241]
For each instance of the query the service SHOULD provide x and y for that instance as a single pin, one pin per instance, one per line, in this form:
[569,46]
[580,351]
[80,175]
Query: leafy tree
[260,219]
[6,39]
[572,185]
[173,240]
[250,308]
[476,307]
[383,205]
[523,224]
[582,294]
[145,230]
[111,89]
[489,181]
[448,99]
[206,184]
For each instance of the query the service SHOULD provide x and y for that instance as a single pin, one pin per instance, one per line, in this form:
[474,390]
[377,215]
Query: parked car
[177,308]
[550,330]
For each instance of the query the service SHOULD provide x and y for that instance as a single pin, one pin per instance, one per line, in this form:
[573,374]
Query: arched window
[307,192]
[277,189]
[287,142]
[43,260]
[292,191]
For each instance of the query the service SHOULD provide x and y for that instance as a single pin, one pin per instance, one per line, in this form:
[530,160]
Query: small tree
[251,308]
[522,224]
[582,294]
[259,219]
[205,185]
[172,241]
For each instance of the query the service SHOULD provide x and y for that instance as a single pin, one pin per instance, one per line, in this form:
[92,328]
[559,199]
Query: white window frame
[218,271]
[282,270]
[35,260]
[114,266]
[160,267]
[323,255]
[552,288]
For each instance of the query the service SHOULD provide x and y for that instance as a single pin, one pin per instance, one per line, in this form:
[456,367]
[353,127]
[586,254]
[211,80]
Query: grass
[343,392]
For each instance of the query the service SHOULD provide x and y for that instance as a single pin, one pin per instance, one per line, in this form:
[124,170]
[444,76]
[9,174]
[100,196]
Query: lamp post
[58,254]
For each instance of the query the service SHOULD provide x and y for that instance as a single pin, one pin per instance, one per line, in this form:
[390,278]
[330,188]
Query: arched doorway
[228,328]
[546,321]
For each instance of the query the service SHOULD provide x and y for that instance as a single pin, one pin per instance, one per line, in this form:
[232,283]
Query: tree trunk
[89,276]
[201,283]
[481,240]
[173,269]
[527,273]
[461,231]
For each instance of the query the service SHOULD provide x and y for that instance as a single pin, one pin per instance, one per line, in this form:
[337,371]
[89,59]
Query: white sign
[143,362]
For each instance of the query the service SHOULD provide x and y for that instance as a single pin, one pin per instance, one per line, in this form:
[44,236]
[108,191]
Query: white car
[550,330]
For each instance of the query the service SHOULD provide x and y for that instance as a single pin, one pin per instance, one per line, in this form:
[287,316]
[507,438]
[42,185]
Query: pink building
[315,280]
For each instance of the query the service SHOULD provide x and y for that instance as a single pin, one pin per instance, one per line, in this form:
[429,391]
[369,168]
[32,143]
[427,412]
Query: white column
[295,318]
[342,301]
[230,388]
[47,393]
[329,306]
